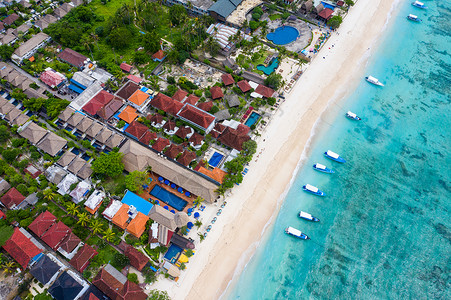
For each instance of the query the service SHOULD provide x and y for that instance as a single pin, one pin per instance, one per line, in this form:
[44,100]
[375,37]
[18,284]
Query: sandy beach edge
[252,204]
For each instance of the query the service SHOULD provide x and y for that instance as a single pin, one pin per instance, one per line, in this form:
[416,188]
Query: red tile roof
[81,259]
[219,127]
[169,125]
[114,289]
[326,13]
[156,118]
[125,67]
[10,19]
[72,57]
[196,116]
[136,129]
[92,107]
[191,99]
[103,97]
[134,78]
[243,129]
[205,105]
[160,144]
[42,223]
[186,158]
[137,259]
[230,137]
[196,139]
[110,109]
[173,151]
[214,134]
[2,215]
[166,104]
[264,91]
[147,137]
[227,79]
[55,235]
[70,242]
[158,55]
[127,90]
[21,248]
[51,78]
[216,92]
[244,86]
[179,95]
[183,131]
[176,107]
[11,198]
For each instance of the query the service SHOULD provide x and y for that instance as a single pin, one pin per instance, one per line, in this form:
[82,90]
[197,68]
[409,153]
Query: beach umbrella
[166,207]
[196,215]
[187,194]
[160,179]
[181,219]
[166,182]
[189,225]
[157,202]
[180,190]
[190,210]
[173,185]
[172,211]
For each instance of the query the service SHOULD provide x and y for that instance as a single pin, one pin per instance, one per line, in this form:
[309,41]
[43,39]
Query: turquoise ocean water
[385,230]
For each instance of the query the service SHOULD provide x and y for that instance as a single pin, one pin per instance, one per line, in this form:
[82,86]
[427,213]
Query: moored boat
[334,156]
[297,233]
[413,18]
[308,217]
[352,116]
[374,80]
[419,4]
[323,168]
[313,190]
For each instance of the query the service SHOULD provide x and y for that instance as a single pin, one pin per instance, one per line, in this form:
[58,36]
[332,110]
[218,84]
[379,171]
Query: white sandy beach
[251,205]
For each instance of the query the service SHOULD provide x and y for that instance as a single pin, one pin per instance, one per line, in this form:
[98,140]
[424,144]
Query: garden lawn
[275,17]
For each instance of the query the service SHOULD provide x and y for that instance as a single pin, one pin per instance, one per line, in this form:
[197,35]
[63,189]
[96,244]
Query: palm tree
[49,195]
[108,235]
[198,201]
[149,169]
[201,236]
[86,42]
[83,219]
[96,226]
[198,224]
[72,209]
[8,267]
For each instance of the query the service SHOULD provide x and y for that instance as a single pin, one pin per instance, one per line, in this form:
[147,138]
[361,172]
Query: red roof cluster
[12,198]
[114,289]
[70,243]
[98,102]
[244,86]
[179,95]
[81,259]
[227,79]
[264,91]
[103,97]
[155,119]
[125,67]
[205,105]
[326,13]
[169,125]
[196,139]
[197,116]
[136,129]
[186,158]
[147,137]
[160,144]
[21,248]
[166,104]
[216,92]
[191,99]
[42,223]
[183,132]
[173,151]
[137,259]
[232,138]
[55,235]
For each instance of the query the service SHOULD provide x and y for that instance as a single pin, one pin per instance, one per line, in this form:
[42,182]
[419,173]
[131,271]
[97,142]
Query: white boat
[419,4]
[334,156]
[323,168]
[313,190]
[297,233]
[413,18]
[352,116]
[307,216]
[374,80]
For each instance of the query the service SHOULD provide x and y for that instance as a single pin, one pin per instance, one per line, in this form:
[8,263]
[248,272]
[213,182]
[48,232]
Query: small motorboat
[374,80]
[419,4]
[313,190]
[334,156]
[413,18]
[352,116]
[322,168]
[307,216]
[297,233]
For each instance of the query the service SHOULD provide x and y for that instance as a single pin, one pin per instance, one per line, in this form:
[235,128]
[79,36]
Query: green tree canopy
[158,295]
[274,80]
[108,164]
[335,22]
[119,38]
[135,180]
[151,41]
[177,14]
[4,134]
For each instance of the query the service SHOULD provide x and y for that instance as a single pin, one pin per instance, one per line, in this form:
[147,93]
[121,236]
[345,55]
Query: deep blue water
[270,68]
[283,35]
[385,230]
[252,119]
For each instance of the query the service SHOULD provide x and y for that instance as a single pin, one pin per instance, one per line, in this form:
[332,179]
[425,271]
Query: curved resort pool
[283,35]
[270,68]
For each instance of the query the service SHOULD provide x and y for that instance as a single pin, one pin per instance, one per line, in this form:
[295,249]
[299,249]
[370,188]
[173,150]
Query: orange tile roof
[215,174]
[121,217]
[128,114]
[138,97]
[93,211]
[138,225]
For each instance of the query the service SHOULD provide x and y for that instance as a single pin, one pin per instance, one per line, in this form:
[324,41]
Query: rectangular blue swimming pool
[173,253]
[142,205]
[215,159]
[253,118]
[168,198]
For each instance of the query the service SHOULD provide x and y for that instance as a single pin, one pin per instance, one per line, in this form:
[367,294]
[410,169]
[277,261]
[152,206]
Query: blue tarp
[75,88]
[78,84]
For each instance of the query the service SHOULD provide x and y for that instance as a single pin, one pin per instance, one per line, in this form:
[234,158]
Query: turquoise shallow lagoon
[385,230]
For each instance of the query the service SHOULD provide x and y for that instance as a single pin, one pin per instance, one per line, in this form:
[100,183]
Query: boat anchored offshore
[419,4]
[334,156]
[297,233]
[352,116]
[374,80]
[307,216]
[313,190]
[323,168]
[413,18]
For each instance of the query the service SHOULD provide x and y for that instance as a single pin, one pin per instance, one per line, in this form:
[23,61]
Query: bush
[198,93]
[214,109]
[171,80]
[120,261]
[120,124]
[206,61]
[133,277]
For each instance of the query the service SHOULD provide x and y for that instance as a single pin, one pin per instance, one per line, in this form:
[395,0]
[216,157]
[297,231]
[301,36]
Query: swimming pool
[168,198]
[270,68]
[141,205]
[283,35]
[215,159]
[173,253]
[253,118]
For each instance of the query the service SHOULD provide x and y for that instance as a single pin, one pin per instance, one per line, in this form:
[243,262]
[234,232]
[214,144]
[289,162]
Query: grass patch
[5,233]
[115,186]
[275,17]
[55,210]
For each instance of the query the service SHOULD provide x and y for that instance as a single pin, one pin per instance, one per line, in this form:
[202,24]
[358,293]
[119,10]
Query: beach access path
[253,203]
